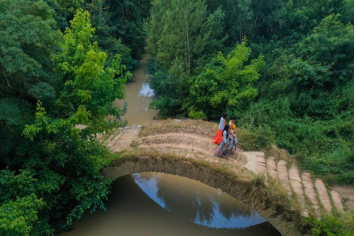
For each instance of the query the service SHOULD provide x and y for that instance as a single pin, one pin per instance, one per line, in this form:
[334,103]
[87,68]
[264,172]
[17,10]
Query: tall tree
[100,14]
[226,83]
[183,30]
[27,40]
[89,86]
[126,18]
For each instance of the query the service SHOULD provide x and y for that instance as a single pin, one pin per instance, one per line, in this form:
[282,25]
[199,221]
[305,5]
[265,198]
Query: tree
[88,86]
[183,30]
[51,173]
[226,83]
[69,8]
[105,33]
[27,40]
[329,45]
[126,18]
[17,217]
[238,18]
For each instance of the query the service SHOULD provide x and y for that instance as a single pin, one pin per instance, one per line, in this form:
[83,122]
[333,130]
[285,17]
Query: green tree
[89,86]
[183,30]
[27,39]
[51,170]
[228,82]
[104,33]
[181,36]
[17,217]
[126,18]
[69,8]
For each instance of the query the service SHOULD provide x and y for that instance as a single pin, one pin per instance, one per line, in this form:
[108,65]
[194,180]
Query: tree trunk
[254,25]
[188,46]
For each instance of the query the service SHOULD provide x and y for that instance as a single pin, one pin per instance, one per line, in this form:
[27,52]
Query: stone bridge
[269,182]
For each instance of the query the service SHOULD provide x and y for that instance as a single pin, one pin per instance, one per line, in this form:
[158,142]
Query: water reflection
[197,202]
[146,91]
[138,96]
[130,212]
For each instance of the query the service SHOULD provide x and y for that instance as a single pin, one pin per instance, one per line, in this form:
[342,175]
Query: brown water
[160,204]
[138,95]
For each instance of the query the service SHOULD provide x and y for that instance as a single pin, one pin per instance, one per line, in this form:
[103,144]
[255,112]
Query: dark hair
[224,115]
[226,128]
[233,118]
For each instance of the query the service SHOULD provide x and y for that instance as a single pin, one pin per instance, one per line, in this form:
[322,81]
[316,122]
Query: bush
[255,138]
[197,115]
[324,147]
[341,224]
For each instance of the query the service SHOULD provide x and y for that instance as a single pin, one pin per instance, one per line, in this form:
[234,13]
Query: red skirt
[218,137]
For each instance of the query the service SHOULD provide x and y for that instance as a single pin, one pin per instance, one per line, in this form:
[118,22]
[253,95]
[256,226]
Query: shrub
[255,138]
[341,224]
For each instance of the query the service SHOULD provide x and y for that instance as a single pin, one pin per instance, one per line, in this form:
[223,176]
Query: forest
[284,68]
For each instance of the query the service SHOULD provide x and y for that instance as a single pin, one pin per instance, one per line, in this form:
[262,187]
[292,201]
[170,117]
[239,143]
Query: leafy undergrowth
[327,158]
[338,224]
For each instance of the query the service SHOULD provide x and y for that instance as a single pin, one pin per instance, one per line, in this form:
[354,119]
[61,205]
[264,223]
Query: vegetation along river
[160,204]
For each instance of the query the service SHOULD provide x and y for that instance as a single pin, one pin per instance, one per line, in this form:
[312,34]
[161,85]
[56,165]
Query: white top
[221,124]
[224,136]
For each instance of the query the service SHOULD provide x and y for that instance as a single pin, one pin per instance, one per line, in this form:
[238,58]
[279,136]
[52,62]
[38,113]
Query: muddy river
[159,204]
[138,95]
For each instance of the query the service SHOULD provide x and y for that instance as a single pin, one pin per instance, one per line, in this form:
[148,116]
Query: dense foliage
[118,24]
[283,67]
[50,82]
[224,84]
[341,224]
[300,98]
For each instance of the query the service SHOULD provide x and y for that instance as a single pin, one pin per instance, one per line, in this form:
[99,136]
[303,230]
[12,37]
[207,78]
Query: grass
[197,127]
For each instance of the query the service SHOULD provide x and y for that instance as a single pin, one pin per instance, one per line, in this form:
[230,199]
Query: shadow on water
[132,212]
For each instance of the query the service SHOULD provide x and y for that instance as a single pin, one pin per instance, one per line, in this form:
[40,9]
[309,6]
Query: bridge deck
[176,137]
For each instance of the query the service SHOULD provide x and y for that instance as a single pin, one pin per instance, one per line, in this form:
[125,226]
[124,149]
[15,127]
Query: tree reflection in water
[197,202]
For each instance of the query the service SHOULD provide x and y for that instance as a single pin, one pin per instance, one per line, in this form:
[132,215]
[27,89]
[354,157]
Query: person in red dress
[219,134]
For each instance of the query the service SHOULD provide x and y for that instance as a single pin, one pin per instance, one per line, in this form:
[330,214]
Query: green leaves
[90,86]
[183,30]
[30,131]
[227,82]
[48,161]
[27,36]
[17,217]
[329,45]
[332,225]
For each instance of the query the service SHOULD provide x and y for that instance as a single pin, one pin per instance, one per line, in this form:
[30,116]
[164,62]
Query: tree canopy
[285,68]
[46,162]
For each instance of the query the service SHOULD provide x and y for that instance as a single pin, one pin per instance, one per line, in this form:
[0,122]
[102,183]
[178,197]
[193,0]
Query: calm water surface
[138,95]
[160,204]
